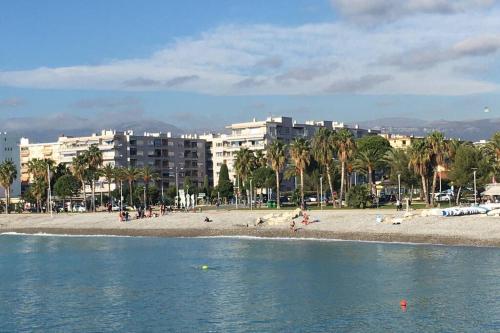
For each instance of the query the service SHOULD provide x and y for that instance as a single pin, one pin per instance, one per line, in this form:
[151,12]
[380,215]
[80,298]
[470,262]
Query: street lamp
[399,187]
[321,190]
[475,191]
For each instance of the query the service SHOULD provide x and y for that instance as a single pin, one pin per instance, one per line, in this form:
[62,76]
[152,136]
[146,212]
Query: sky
[205,64]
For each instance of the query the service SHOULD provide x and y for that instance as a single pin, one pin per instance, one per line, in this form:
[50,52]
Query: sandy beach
[477,230]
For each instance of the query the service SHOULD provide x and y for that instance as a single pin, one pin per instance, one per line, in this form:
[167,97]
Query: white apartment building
[256,135]
[9,151]
[30,151]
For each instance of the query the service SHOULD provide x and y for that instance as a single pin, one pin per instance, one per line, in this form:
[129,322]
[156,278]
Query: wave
[306,239]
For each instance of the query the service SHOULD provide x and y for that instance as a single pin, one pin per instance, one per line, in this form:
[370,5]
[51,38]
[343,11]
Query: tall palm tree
[108,172]
[276,155]
[438,147]
[40,169]
[131,174]
[79,170]
[147,174]
[300,151]
[37,188]
[492,148]
[366,161]
[94,160]
[323,150]
[8,173]
[419,161]
[344,141]
[244,164]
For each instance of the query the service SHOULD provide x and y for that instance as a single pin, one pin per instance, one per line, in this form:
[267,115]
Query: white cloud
[311,59]
[378,11]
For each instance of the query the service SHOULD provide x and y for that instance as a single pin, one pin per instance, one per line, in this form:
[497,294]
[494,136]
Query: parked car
[79,208]
[443,196]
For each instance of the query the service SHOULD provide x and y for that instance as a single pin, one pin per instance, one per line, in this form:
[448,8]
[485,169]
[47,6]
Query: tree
[39,169]
[357,196]
[344,141]
[94,160]
[79,170]
[276,155]
[225,186]
[131,174]
[109,173]
[398,161]
[370,156]
[244,165]
[8,173]
[260,159]
[323,144]
[439,154]
[148,174]
[66,186]
[262,177]
[419,161]
[492,152]
[466,159]
[301,156]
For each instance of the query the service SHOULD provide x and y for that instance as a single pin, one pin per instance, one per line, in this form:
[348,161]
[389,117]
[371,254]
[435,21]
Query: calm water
[96,284]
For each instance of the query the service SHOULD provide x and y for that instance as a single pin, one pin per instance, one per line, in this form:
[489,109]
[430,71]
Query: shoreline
[269,233]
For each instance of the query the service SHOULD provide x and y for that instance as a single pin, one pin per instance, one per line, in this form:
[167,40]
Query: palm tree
[492,149]
[79,170]
[260,159]
[108,172]
[301,156]
[131,174]
[94,161]
[420,158]
[148,174]
[244,164]
[40,169]
[344,141]
[323,149]
[8,173]
[276,155]
[438,148]
[366,161]
[37,188]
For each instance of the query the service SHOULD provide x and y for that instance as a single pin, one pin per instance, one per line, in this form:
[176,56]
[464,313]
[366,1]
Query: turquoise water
[100,284]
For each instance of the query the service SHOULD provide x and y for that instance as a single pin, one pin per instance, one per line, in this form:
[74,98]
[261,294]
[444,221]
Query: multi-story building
[256,135]
[9,151]
[399,141]
[173,158]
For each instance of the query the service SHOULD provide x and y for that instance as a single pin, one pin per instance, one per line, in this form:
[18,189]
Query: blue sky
[200,64]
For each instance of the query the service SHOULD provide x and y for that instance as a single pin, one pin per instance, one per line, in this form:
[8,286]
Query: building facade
[256,135]
[173,158]
[9,151]
[399,141]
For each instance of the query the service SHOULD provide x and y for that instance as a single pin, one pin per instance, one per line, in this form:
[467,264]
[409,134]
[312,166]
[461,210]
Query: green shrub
[358,196]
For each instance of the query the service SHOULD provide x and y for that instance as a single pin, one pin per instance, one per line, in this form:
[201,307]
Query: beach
[355,225]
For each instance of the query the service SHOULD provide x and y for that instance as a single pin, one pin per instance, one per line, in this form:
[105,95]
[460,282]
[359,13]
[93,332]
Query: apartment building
[256,135]
[173,158]
[399,141]
[9,151]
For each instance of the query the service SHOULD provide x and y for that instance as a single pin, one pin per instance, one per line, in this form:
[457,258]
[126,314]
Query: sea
[54,283]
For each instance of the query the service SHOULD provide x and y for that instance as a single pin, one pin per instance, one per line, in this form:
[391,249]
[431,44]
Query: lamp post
[399,187]
[121,196]
[475,191]
[251,195]
[321,191]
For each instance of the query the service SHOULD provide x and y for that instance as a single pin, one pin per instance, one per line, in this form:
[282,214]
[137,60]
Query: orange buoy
[403,303]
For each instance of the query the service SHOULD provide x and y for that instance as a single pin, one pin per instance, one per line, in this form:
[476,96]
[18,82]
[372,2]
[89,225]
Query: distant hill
[49,129]
[472,130]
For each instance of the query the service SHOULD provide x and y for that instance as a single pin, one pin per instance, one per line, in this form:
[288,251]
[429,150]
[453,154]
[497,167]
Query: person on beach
[305,220]
[292,226]
[126,216]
